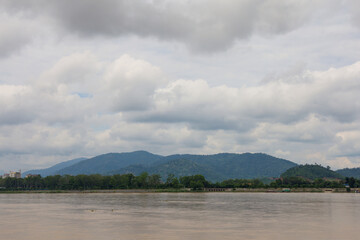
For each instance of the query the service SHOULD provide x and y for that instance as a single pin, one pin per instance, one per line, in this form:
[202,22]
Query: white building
[15,174]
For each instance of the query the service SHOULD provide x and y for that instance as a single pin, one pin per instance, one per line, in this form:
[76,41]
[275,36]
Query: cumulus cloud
[74,73]
[55,97]
[189,101]
[26,138]
[347,144]
[204,26]
[129,103]
[24,104]
[79,85]
[328,94]
[130,83]
[11,111]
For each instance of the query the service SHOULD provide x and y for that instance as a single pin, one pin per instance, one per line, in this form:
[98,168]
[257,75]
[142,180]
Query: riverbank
[184,190]
[97,191]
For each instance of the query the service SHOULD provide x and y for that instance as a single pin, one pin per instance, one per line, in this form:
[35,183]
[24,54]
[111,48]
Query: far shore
[188,190]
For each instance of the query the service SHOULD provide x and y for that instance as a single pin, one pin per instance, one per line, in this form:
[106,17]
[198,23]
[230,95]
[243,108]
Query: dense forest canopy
[311,172]
[146,181]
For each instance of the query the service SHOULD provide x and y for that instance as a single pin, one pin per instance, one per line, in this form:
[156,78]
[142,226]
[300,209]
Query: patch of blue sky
[100,128]
[83,95]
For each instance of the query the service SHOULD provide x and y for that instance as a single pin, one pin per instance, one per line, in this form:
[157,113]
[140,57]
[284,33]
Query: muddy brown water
[280,216]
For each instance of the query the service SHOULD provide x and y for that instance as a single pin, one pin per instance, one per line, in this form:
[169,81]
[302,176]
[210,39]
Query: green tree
[196,185]
[154,181]
[172,181]
[142,180]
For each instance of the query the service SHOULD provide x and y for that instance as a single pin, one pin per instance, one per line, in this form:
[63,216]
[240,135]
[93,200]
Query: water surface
[171,216]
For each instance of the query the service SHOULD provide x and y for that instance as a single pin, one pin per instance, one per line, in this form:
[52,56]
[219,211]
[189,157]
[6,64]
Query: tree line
[146,181]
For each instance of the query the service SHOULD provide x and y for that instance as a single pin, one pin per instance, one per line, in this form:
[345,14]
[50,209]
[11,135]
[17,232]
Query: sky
[83,78]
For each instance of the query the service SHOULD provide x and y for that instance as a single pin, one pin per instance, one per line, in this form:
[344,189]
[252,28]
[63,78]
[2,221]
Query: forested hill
[311,172]
[350,172]
[215,167]
[177,167]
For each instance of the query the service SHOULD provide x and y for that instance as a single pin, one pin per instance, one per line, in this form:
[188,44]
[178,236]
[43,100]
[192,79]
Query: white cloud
[73,69]
[133,105]
[348,143]
[37,138]
[329,94]
[54,97]
[11,111]
[129,83]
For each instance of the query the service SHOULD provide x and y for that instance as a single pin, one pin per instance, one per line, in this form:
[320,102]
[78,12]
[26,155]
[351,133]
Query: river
[127,216]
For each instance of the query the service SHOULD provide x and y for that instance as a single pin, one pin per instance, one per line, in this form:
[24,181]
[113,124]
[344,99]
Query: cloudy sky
[82,78]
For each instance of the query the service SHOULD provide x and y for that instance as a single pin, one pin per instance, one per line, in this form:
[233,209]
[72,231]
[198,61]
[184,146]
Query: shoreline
[187,190]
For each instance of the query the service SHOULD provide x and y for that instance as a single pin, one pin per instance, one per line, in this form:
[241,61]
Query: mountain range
[216,167]
[350,172]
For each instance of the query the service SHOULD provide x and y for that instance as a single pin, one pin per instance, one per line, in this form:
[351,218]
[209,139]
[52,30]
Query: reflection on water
[180,216]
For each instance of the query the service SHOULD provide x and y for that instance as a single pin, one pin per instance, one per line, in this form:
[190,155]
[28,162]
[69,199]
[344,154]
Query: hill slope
[311,172]
[105,163]
[52,170]
[178,167]
[215,167]
[350,172]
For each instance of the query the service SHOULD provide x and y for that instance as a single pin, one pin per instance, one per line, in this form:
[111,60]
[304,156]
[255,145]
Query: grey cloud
[13,37]
[354,8]
[15,117]
[197,120]
[204,26]
[120,18]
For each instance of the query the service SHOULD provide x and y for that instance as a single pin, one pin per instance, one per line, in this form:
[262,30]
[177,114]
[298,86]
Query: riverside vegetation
[146,181]
[183,174]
